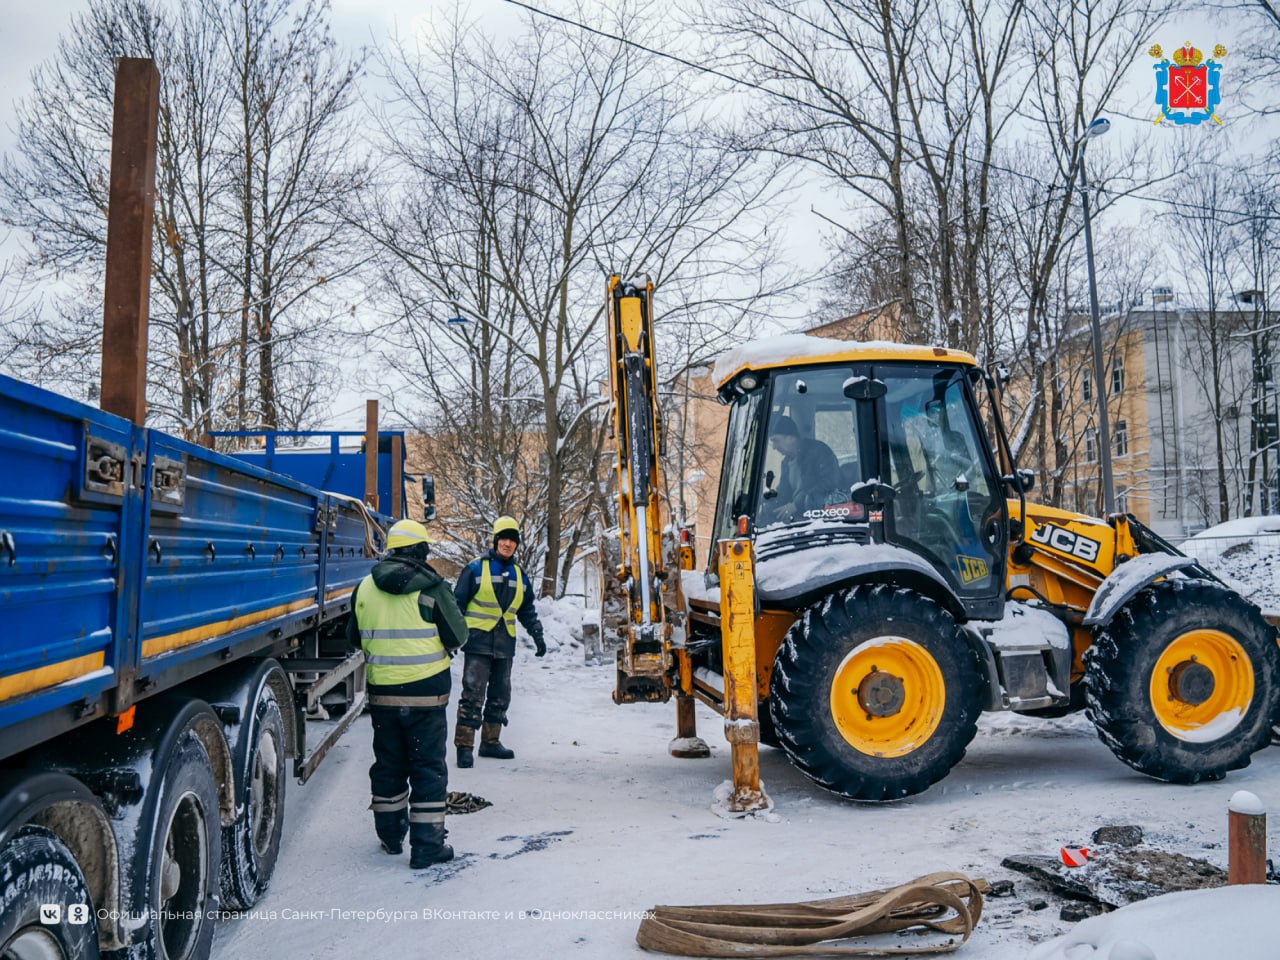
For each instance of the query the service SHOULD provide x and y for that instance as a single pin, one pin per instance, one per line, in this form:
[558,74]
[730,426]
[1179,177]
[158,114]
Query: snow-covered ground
[594,822]
[1235,922]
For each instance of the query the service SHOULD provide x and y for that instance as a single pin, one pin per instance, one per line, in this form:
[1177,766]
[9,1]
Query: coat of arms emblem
[1187,89]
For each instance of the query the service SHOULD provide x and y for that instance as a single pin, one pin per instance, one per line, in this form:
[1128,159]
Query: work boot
[464,738]
[395,848]
[423,857]
[428,846]
[491,746]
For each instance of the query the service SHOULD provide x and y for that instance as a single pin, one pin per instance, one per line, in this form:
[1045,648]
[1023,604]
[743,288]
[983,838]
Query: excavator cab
[868,453]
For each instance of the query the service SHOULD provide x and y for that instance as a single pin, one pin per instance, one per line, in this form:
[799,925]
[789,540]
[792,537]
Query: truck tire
[875,693]
[183,855]
[251,845]
[36,869]
[1184,683]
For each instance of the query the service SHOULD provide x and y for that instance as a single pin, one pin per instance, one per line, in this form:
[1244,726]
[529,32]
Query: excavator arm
[644,659]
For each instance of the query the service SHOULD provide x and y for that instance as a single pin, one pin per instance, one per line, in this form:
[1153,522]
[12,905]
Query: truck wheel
[36,869]
[183,855]
[251,845]
[1184,683]
[875,693]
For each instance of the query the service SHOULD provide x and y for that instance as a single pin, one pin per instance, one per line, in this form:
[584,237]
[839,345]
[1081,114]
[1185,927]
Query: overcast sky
[29,32]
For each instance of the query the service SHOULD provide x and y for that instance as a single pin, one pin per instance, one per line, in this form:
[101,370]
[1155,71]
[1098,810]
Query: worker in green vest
[408,624]
[495,593]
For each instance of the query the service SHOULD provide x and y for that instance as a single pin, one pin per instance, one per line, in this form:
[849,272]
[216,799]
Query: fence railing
[1250,564]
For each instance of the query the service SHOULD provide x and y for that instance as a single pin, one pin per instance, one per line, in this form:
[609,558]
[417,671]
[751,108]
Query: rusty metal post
[371,454]
[397,477]
[1247,839]
[687,745]
[738,644]
[130,212]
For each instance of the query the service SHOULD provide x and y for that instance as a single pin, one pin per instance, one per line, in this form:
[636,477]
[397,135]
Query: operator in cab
[808,473]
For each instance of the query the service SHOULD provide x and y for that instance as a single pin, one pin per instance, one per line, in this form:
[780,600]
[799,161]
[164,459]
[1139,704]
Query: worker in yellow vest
[407,622]
[494,593]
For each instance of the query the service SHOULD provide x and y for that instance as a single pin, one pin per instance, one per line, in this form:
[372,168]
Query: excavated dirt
[1117,875]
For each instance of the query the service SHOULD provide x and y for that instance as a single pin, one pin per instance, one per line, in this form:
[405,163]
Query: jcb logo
[972,569]
[1067,542]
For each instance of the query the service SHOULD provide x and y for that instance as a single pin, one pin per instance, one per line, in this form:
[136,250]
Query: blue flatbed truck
[170,619]
[169,616]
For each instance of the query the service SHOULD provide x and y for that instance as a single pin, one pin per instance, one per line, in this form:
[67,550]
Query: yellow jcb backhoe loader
[900,583]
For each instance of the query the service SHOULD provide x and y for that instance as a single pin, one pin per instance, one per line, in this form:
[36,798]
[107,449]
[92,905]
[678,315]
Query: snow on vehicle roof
[1244,527]
[1246,553]
[793,348]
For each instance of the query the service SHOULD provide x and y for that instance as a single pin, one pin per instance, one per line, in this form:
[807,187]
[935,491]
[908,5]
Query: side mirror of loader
[1020,482]
[872,493]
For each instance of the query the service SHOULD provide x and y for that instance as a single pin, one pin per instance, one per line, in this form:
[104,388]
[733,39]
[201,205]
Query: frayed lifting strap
[948,903]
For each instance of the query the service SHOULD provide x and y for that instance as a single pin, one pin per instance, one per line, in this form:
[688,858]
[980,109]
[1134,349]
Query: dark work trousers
[409,778]
[481,673]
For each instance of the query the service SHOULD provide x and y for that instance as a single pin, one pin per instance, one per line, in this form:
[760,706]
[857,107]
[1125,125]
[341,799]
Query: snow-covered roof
[1244,528]
[795,348]
[1246,553]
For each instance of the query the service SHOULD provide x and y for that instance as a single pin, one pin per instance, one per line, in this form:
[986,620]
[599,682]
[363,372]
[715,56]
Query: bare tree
[291,147]
[519,177]
[55,190]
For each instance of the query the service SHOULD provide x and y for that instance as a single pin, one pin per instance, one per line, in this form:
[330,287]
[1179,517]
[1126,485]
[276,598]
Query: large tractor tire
[875,693]
[1184,683]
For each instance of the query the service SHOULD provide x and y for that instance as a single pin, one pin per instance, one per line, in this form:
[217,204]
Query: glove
[540,648]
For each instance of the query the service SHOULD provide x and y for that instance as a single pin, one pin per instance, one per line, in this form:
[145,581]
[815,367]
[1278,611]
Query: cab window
[811,457]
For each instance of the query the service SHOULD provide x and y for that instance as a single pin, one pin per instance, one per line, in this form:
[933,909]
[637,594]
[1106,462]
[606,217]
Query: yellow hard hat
[405,533]
[506,525]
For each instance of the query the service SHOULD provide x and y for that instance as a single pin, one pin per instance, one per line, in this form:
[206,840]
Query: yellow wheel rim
[887,697]
[1202,686]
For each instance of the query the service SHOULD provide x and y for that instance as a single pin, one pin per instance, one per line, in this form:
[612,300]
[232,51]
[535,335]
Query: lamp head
[1098,127]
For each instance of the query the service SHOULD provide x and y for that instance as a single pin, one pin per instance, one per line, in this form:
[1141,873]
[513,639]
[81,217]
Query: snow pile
[1241,922]
[561,623]
[1245,553]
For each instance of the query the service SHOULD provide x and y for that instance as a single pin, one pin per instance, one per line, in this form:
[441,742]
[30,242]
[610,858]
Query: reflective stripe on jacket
[483,610]
[399,646]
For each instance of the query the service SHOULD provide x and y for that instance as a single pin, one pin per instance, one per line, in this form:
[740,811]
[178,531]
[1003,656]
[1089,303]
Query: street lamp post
[1096,129]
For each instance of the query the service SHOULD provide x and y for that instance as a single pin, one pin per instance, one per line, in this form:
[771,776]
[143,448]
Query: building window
[1086,386]
[1122,502]
[1117,375]
[1120,442]
[1090,445]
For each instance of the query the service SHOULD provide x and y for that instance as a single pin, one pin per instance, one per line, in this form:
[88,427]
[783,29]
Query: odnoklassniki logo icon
[1188,89]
